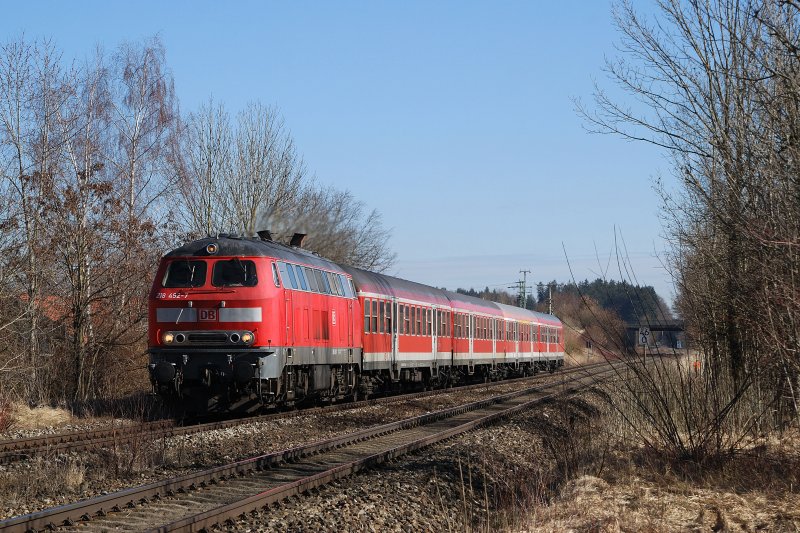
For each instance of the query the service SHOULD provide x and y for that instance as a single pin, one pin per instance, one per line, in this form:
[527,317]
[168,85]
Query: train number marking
[171,295]
[207,315]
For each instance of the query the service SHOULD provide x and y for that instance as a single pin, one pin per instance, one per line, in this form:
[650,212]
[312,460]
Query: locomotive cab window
[275,278]
[184,274]
[234,273]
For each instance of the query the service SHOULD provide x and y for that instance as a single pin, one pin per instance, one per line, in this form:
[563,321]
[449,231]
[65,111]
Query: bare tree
[30,98]
[143,118]
[201,161]
[249,177]
[78,199]
[338,227]
[267,172]
[83,177]
[143,115]
[714,84]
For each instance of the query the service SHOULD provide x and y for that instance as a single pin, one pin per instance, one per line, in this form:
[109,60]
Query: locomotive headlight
[247,337]
[212,248]
[167,338]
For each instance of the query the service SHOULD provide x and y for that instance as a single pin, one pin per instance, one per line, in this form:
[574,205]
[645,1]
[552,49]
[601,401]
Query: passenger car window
[400,320]
[184,273]
[234,273]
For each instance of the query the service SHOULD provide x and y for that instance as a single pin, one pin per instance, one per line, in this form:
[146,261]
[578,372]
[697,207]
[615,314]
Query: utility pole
[523,297]
[521,286]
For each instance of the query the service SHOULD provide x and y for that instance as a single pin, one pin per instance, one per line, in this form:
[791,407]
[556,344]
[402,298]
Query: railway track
[16,449]
[200,500]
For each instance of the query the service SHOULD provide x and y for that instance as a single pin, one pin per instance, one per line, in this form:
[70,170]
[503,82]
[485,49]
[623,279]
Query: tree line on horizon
[100,173]
[633,304]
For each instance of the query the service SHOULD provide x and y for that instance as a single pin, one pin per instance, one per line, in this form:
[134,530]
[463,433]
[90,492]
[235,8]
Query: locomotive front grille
[209,338]
[240,338]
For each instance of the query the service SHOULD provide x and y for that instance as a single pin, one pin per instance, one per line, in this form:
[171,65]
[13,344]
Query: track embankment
[202,499]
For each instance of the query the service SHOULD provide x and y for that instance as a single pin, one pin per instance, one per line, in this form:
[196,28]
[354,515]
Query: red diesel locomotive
[239,324]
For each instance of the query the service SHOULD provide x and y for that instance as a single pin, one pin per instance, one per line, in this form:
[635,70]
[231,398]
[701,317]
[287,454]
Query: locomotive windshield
[185,273]
[234,273]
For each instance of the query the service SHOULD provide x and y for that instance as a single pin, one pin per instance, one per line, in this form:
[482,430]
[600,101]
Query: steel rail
[130,498]
[12,448]
[16,449]
[238,510]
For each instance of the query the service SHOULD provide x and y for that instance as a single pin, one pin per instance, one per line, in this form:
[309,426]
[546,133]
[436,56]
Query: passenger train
[238,324]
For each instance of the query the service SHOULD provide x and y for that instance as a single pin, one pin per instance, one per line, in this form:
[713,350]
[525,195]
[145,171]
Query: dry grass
[23,417]
[38,479]
[636,488]
[580,468]
[638,498]
[584,356]
[495,478]
[6,418]
[55,479]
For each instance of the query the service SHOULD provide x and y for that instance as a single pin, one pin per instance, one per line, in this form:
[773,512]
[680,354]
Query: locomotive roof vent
[297,240]
[264,235]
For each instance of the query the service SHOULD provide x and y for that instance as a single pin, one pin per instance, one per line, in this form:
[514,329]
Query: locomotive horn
[297,240]
[264,235]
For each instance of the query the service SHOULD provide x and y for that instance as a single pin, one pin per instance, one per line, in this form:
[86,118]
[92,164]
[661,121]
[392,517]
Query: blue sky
[454,119]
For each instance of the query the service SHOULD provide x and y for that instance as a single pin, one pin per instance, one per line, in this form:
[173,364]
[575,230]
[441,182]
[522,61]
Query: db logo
[208,315]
